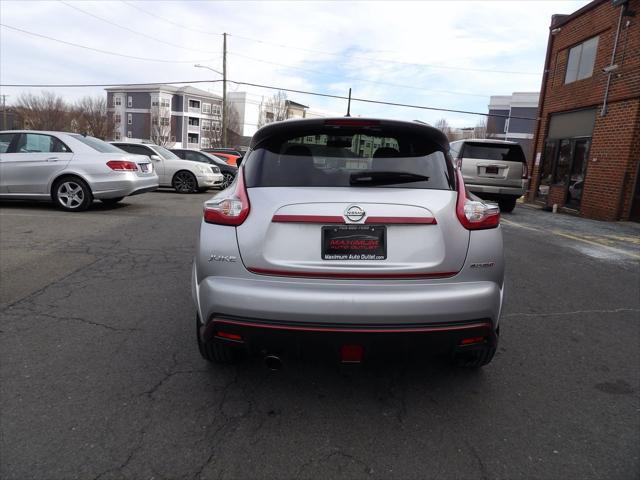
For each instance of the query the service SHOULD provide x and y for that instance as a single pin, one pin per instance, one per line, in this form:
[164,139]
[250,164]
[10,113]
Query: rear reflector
[472,340]
[229,336]
[122,165]
[351,122]
[351,353]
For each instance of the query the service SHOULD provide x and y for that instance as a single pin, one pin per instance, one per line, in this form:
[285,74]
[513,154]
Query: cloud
[378,48]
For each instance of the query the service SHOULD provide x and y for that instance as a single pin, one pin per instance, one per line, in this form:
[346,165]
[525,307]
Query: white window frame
[129,119]
[579,49]
[129,101]
[117,118]
[117,100]
[129,134]
[116,135]
[206,107]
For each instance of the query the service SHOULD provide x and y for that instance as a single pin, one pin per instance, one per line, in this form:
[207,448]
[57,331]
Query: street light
[224,101]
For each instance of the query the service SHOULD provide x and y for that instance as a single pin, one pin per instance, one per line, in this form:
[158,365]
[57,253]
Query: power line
[410,87]
[171,22]
[81,85]
[131,29]
[380,60]
[271,87]
[106,52]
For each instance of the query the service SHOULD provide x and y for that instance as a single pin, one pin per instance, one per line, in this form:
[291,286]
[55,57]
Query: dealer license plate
[354,242]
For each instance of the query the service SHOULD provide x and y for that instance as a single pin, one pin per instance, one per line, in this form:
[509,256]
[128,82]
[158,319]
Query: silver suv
[492,169]
[351,235]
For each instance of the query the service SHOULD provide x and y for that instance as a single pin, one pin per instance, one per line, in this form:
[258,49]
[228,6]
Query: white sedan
[185,176]
[69,168]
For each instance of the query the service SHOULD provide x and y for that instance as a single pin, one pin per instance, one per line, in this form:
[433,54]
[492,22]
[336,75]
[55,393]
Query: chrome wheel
[227,178]
[185,182]
[70,194]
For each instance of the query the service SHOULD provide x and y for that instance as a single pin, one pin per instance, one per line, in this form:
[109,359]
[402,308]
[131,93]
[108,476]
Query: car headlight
[204,169]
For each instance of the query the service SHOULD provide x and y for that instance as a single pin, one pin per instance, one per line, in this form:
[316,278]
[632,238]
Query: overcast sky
[449,54]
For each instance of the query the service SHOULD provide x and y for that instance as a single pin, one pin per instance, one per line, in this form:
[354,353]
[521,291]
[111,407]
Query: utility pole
[4,111]
[224,90]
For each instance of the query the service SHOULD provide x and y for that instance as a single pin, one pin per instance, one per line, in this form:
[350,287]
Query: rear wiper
[368,177]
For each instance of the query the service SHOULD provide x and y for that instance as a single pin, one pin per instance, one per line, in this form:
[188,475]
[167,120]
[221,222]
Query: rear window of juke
[320,157]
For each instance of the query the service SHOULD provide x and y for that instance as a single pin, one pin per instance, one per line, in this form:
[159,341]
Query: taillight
[474,215]
[122,165]
[525,171]
[232,209]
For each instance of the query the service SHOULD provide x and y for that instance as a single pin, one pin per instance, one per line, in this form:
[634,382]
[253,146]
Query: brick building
[587,139]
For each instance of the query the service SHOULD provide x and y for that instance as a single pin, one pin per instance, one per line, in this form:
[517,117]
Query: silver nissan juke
[348,237]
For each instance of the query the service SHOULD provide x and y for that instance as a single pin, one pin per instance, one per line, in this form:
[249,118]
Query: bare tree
[213,131]
[274,109]
[46,111]
[90,115]
[160,131]
[444,127]
[480,130]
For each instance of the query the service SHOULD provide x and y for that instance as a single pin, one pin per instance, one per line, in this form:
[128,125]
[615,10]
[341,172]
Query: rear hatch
[495,164]
[356,199]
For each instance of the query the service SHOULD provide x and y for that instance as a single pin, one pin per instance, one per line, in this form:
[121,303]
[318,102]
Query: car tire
[507,204]
[215,351]
[226,180]
[184,182]
[71,194]
[111,201]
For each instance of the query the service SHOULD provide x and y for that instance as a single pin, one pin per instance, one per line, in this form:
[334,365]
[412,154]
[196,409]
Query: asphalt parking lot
[100,376]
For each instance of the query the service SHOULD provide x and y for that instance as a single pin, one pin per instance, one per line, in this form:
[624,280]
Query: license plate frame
[491,170]
[362,243]
[144,167]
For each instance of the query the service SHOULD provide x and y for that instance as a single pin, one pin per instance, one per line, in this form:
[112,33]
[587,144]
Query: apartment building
[512,123]
[180,117]
[587,139]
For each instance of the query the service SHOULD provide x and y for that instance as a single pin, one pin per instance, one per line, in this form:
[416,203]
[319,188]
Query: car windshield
[166,154]
[384,157]
[96,143]
[494,151]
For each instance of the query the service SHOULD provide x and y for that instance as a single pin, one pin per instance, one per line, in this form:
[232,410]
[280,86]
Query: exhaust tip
[273,362]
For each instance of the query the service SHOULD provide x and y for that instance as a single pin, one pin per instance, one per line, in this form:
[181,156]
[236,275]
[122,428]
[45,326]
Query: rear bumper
[327,339]
[129,184]
[340,302]
[496,190]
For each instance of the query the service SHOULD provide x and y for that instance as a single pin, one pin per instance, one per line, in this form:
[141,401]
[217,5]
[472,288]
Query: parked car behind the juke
[492,169]
[228,171]
[184,176]
[352,235]
[70,169]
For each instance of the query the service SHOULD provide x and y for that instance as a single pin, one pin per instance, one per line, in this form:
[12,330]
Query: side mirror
[155,158]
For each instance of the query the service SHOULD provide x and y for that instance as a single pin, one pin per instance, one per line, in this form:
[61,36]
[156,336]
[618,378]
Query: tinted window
[96,144]
[135,149]
[194,156]
[494,151]
[38,143]
[5,141]
[324,157]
